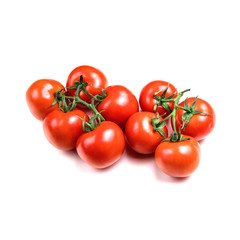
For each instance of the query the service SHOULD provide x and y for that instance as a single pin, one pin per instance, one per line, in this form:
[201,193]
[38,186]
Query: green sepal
[189,112]
[166,106]
[177,137]
[54,102]
[58,97]
[100,97]
[165,140]
[87,127]
[163,100]
[158,125]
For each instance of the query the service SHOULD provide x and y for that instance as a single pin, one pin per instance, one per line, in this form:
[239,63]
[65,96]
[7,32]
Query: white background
[49,194]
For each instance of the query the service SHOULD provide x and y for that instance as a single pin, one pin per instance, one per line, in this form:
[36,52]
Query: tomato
[40,96]
[200,125]
[63,129]
[119,105]
[103,146]
[147,101]
[140,133]
[178,159]
[95,78]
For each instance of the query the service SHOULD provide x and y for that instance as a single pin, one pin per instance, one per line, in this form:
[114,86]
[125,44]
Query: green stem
[89,106]
[176,100]
[174,136]
[182,108]
[61,98]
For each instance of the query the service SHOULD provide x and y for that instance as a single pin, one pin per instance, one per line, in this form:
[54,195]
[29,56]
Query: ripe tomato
[103,146]
[147,101]
[178,159]
[140,133]
[200,125]
[63,129]
[40,96]
[95,78]
[119,105]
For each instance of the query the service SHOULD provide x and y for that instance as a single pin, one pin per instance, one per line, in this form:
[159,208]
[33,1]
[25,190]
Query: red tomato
[199,125]
[63,129]
[178,159]
[140,134]
[95,78]
[119,105]
[40,95]
[147,101]
[103,146]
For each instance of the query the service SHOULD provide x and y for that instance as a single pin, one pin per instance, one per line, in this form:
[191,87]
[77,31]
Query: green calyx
[93,123]
[163,100]
[61,99]
[189,112]
[100,97]
[158,125]
[68,103]
[175,137]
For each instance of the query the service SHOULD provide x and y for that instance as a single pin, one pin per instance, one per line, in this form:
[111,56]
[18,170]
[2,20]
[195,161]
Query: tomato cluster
[99,137]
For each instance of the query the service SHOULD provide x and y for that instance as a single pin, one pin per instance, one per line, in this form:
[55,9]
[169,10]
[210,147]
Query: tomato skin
[95,78]
[147,101]
[40,95]
[140,134]
[103,146]
[199,125]
[63,129]
[178,159]
[119,105]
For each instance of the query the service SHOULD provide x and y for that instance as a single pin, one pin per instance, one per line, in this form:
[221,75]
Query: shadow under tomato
[163,177]
[72,155]
[201,142]
[137,158]
[110,168]
[81,164]
[129,155]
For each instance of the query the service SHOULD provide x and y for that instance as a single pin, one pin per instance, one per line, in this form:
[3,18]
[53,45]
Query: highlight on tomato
[40,95]
[180,158]
[198,118]
[62,129]
[95,79]
[152,95]
[143,133]
[102,146]
[118,105]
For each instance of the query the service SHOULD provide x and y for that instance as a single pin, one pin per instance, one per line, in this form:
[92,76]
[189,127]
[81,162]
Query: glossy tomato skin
[40,95]
[178,159]
[199,125]
[119,105]
[95,78]
[140,134]
[147,101]
[103,146]
[63,129]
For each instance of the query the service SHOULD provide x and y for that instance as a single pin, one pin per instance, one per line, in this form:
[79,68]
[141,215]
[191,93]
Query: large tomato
[103,146]
[95,78]
[200,125]
[140,133]
[178,159]
[40,96]
[147,101]
[119,105]
[63,129]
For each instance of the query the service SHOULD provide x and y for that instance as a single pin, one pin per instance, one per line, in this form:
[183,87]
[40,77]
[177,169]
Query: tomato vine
[68,103]
[189,112]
